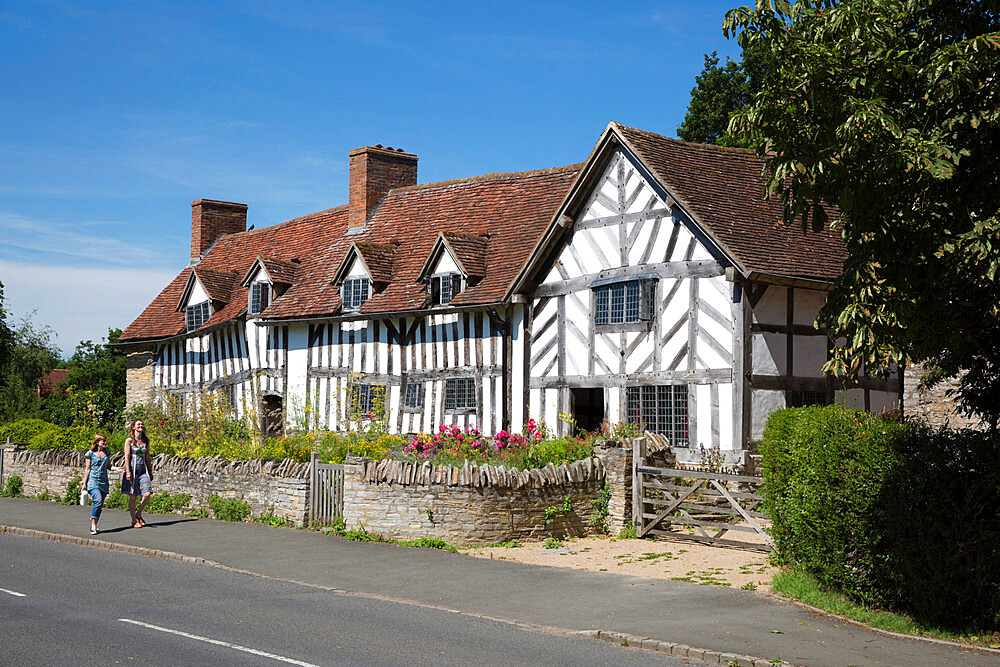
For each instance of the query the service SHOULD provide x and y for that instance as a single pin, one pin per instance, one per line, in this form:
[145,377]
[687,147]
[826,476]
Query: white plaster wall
[356,269]
[297,364]
[446,264]
[198,293]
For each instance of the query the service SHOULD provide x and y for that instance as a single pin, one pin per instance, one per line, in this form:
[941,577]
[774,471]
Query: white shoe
[94,531]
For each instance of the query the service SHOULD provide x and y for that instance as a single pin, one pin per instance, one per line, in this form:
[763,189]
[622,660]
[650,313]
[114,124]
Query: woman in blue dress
[138,477]
[95,477]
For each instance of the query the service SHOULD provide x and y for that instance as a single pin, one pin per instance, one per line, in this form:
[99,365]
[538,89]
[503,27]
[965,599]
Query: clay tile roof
[722,189]
[299,238]
[470,251]
[378,257]
[279,270]
[47,383]
[218,284]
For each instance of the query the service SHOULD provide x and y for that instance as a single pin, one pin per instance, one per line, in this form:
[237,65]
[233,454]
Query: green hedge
[892,514]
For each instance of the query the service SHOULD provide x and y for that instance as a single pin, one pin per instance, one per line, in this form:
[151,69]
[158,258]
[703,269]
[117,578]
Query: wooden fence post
[313,460]
[638,460]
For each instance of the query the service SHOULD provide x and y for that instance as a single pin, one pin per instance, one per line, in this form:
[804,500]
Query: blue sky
[113,119]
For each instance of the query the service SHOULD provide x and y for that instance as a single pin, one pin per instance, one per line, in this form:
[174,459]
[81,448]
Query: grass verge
[798,584]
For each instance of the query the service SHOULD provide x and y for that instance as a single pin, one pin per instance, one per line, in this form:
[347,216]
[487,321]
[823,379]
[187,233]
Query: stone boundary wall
[283,484]
[469,504]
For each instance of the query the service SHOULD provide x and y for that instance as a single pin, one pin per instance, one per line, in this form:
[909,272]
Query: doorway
[587,406]
[272,418]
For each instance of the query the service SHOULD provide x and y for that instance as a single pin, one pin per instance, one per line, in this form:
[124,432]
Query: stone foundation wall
[283,484]
[139,377]
[934,406]
[469,504]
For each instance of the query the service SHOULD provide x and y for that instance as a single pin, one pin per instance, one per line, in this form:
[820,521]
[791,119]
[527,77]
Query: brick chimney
[211,219]
[375,171]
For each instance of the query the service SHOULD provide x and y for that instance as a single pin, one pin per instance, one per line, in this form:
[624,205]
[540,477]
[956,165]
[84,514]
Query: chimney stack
[374,171]
[211,219]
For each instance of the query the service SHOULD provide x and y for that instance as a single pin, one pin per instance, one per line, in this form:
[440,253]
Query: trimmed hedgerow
[891,514]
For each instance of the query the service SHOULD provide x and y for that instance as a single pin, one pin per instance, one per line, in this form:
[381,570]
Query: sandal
[142,522]
[137,525]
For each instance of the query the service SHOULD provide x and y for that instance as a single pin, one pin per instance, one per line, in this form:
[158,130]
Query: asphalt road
[83,606]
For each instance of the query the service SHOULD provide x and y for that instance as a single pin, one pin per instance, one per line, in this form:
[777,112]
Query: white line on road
[14,593]
[217,642]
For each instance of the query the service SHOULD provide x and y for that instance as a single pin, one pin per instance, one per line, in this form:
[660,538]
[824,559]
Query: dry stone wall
[263,484]
[469,504]
[139,377]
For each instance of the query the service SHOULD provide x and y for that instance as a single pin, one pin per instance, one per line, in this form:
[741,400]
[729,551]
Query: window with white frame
[460,394]
[660,409]
[260,297]
[196,315]
[624,301]
[356,292]
[413,398]
[367,400]
[444,288]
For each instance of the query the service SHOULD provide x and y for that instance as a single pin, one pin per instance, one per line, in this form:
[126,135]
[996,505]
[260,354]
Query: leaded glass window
[460,394]
[660,409]
[196,315]
[356,292]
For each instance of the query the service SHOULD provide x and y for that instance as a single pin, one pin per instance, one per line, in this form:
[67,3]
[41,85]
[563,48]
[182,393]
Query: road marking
[14,593]
[218,642]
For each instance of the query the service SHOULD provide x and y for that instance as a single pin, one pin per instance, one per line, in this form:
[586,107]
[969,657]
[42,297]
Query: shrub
[269,518]
[23,430]
[167,503]
[73,490]
[13,488]
[116,500]
[229,509]
[73,437]
[891,514]
[429,543]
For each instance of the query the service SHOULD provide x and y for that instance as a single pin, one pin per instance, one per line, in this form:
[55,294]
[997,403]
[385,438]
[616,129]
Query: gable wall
[626,229]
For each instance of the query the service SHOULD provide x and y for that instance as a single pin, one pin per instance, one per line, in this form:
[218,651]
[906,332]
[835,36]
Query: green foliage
[45,495]
[13,487]
[599,520]
[510,544]
[628,533]
[890,112]
[565,507]
[269,518]
[116,500]
[891,514]
[552,543]
[73,490]
[168,503]
[22,431]
[229,509]
[73,437]
[32,355]
[428,543]
[360,534]
[200,513]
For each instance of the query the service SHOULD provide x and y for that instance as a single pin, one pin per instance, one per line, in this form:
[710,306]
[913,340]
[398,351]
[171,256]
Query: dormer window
[260,297]
[445,287]
[356,292]
[196,315]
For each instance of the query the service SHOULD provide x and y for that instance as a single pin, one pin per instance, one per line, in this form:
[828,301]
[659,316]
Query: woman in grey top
[138,477]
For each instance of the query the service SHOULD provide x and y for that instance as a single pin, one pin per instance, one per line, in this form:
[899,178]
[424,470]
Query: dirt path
[659,559]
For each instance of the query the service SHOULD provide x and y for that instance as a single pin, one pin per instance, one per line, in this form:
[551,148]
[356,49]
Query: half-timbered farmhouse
[650,283]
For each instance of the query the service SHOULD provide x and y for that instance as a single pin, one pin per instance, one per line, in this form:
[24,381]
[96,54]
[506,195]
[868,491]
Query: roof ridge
[749,152]
[496,176]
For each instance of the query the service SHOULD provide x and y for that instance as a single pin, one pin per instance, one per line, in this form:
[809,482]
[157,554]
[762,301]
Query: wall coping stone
[406,473]
[167,463]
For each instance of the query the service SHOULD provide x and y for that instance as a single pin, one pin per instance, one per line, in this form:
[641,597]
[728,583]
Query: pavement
[719,621]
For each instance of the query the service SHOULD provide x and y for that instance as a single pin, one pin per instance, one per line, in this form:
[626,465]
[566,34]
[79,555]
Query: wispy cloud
[79,303]
[29,235]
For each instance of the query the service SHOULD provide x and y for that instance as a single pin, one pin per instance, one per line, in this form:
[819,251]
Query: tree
[99,370]
[890,111]
[719,91]
[32,356]
[6,340]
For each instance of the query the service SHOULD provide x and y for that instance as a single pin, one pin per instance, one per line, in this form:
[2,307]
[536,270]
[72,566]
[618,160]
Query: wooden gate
[326,490]
[699,500]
